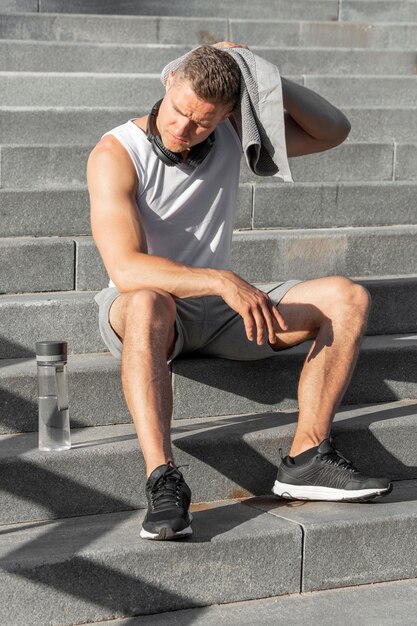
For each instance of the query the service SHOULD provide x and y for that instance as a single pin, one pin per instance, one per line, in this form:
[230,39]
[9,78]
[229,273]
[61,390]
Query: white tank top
[187,213]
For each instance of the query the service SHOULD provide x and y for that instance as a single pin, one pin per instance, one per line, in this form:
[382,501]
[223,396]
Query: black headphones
[196,155]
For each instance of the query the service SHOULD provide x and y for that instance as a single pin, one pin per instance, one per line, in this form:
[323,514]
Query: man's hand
[259,313]
[230,44]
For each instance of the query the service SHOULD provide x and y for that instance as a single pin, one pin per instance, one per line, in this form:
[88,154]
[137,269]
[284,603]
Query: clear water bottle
[54,425]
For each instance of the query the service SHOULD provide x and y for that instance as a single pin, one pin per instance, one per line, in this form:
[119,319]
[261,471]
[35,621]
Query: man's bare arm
[121,240]
[312,124]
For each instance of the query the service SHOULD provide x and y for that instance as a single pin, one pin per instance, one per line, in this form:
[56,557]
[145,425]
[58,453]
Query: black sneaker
[169,499]
[327,476]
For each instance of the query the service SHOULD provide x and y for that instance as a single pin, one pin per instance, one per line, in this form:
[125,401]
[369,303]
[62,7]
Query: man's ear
[227,114]
[169,80]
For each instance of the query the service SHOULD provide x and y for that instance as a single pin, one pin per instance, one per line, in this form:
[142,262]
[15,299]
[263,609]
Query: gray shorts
[206,326]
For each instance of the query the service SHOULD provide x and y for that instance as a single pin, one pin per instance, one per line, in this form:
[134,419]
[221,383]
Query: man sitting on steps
[163,192]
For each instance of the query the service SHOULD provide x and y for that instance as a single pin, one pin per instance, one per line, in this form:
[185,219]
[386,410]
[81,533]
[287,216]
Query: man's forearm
[318,117]
[148,271]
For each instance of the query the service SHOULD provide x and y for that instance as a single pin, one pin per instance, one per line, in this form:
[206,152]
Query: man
[163,190]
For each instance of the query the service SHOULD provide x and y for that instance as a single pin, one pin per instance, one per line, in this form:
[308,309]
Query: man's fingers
[269,320]
[260,322]
[249,325]
[282,323]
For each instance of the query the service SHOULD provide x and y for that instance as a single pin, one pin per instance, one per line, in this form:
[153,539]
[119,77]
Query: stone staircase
[70,551]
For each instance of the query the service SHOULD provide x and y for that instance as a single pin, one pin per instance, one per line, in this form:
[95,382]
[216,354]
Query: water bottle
[54,425]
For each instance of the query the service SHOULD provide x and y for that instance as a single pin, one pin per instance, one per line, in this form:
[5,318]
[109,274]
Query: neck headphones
[196,155]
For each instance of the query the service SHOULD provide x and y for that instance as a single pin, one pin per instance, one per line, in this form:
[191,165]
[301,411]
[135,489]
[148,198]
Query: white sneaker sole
[302,492]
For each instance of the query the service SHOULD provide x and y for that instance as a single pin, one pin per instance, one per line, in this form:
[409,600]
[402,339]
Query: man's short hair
[213,74]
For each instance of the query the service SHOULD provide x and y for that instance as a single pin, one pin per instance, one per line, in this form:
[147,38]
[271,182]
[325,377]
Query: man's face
[184,119]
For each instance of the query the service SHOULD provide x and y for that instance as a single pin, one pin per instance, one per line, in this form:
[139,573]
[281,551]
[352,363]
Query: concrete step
[96,567]
[73,316]
[38,89]
[373,251]
[260,256]
[65,212]
[393,602]
[110,471]
[379,11]
[315,205]
[51,56]
[348,91]
[199,30]
[117,28]
[56,90]
[274,9]
[270,255]
[52,166]
[386,372]
[323,34]
[74,125]
[32,265]
[349,10]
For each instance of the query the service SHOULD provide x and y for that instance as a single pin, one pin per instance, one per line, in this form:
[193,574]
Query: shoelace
[166,489]
[335,458]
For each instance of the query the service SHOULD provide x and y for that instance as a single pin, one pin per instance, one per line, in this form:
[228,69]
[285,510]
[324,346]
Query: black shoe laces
[166,490]
[335,458]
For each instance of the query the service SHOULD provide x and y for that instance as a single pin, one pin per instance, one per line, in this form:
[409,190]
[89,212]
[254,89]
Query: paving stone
[37,265]
[97,567]
[41,213]
[225,457]
[393,602]
[103,28]
[367,542]
[328,205]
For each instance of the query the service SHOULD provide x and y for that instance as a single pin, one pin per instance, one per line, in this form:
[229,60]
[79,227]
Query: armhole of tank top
[128,150]
[235,134]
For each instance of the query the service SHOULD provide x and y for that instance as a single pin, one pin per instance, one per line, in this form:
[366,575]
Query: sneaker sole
[167,534]
[300,492]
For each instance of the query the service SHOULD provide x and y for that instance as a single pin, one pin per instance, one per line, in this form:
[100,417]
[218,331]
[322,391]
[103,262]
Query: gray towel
[261,113]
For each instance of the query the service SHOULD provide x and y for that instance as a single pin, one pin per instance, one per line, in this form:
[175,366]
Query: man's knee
[150,305]
[143,307]
[348,297]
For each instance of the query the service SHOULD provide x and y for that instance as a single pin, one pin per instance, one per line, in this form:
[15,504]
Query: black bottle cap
[51,349]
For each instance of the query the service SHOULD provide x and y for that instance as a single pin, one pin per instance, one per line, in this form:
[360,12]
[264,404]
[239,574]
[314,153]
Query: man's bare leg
[334,310]
[144,320]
